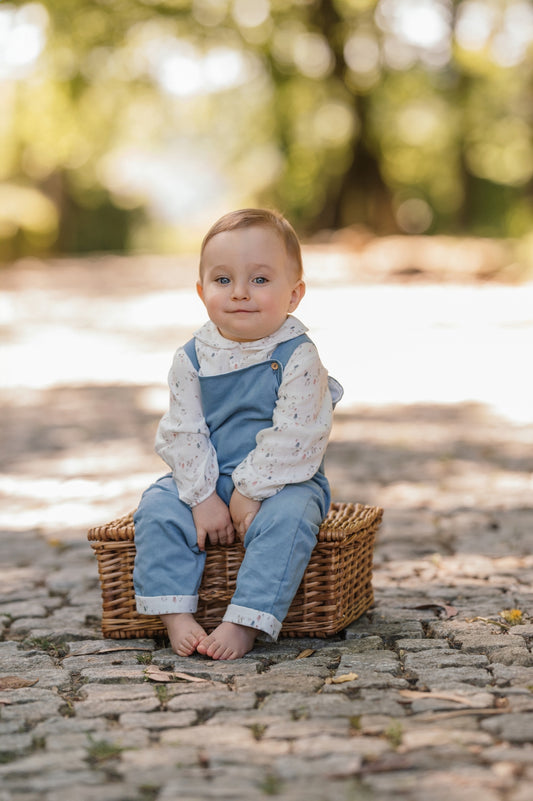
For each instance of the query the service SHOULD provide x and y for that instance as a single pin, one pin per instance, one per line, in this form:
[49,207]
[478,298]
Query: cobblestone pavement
[429,695]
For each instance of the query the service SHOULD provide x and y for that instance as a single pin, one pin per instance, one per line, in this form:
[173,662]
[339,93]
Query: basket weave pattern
[335,590]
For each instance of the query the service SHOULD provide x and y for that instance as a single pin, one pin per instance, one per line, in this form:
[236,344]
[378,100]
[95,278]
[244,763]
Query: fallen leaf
[15,682]
[459,699]
[459,713]
[304,654]
[342,678]
[487,620]
[114,650]
[155,673]
[449,611]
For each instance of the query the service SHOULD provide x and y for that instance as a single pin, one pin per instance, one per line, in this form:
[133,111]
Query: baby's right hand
[213,520]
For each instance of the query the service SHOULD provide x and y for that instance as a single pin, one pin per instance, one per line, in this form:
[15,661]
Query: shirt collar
[209,335]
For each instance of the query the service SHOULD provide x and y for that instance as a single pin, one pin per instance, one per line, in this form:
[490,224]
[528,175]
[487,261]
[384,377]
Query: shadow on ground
[447,476]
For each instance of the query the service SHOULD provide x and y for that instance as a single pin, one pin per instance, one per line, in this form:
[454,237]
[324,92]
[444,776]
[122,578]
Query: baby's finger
[222,537]
[213,538]
[230,531]
[200,539]
[225,535]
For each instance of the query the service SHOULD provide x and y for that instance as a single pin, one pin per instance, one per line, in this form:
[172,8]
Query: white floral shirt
[301,423]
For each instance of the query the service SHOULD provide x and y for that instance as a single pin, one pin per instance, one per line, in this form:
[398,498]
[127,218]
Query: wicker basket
[335,590]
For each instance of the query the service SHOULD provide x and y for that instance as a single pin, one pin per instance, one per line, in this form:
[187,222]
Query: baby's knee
[295,506]
[156,504]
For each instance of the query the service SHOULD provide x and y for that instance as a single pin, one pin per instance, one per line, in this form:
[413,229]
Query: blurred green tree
[126,123]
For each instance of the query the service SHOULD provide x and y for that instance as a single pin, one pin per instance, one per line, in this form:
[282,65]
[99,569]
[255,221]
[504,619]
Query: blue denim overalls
[169,565]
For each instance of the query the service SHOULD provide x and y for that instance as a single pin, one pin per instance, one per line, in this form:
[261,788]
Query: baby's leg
[228,641]
[184,631]
[278,547]
[168,565]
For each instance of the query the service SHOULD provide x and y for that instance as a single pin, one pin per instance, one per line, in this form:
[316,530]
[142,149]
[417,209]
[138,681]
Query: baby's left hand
[242,511]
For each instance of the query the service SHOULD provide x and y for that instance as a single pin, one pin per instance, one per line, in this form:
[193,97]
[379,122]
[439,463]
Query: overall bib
[278,544]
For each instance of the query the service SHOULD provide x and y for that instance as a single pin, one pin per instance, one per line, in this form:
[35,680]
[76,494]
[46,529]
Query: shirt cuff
[193,500]
[248,491]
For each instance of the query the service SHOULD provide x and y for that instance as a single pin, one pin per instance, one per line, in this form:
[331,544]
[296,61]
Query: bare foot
[184,632]
[228,641]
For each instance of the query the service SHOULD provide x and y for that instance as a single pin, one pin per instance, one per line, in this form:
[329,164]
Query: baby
[245,434]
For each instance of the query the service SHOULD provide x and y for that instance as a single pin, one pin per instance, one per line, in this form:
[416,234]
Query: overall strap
[284,350]
[190,350]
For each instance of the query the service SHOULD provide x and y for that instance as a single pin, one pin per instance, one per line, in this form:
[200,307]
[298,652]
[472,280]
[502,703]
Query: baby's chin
[248,332]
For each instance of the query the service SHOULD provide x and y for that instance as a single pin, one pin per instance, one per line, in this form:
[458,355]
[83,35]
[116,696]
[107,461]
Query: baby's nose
[240,289]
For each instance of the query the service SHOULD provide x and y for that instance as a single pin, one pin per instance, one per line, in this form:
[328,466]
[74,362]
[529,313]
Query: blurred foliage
[128,123]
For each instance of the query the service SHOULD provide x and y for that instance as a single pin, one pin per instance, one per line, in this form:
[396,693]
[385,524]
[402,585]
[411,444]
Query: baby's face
[248,283]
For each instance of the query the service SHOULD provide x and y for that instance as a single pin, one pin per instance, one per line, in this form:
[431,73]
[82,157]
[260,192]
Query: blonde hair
[246,218]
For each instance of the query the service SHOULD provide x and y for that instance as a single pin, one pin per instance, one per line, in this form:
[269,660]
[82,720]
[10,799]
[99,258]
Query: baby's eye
[260,280]
[223,279]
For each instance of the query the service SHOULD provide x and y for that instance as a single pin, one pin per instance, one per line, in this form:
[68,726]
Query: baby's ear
[297,294]
[200,290]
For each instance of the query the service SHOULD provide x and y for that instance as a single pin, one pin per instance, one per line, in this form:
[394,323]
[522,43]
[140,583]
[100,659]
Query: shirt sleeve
[182,438]
[291,450]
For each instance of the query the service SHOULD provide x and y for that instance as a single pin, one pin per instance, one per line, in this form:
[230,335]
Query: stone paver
[442,700]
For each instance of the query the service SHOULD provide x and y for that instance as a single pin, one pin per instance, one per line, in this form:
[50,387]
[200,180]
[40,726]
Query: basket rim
[343,519]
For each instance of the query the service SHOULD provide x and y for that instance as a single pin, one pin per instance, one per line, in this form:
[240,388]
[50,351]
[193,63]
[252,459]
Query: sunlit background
[395,134]
[127,126]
